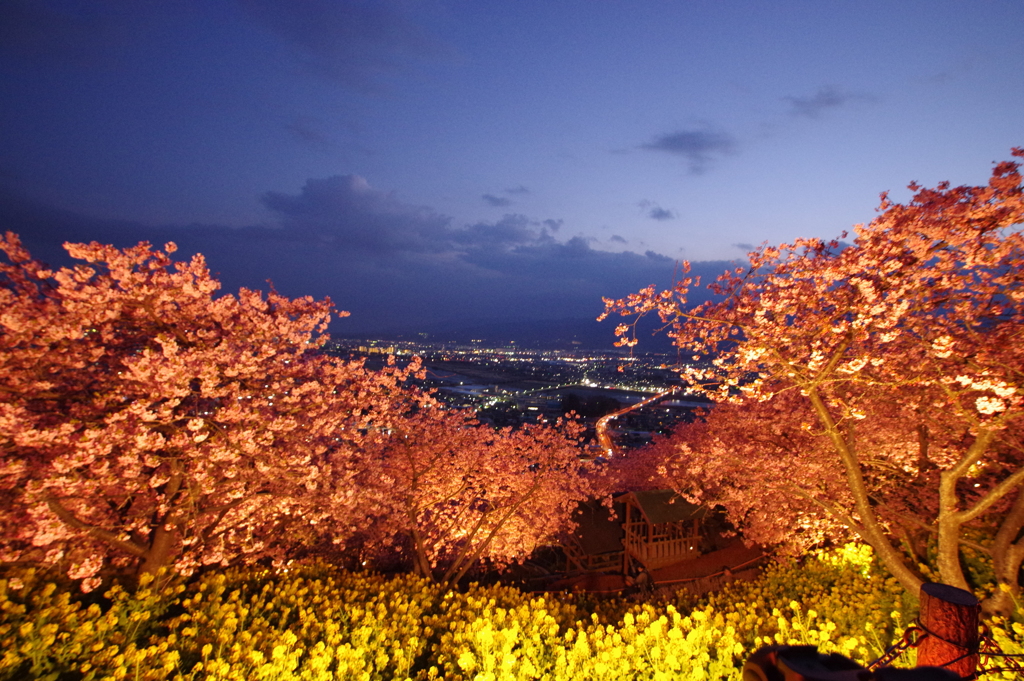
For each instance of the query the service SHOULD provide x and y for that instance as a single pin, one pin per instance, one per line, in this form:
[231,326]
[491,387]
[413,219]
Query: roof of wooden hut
[665,506]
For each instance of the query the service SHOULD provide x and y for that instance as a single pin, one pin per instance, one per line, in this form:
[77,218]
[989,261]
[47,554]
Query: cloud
[510,231]
[656,212]
[391,264]
[697,146]
[821,101]
[618,239]
[344,211]
[520,189]
[352,42]
[497,201]
[745,247]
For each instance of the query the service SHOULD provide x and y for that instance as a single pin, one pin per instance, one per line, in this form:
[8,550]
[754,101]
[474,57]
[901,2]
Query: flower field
[315,622]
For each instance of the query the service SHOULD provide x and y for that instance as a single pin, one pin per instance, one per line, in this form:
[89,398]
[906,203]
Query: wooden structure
[648,530]
[661,528]
[950,618]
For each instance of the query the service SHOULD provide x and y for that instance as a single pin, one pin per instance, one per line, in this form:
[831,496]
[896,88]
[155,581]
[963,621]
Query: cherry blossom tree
[781,442]
[146,423]
[902,349]
[454,492]
[711,460]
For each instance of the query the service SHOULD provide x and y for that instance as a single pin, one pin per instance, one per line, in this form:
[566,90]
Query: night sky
[428,163]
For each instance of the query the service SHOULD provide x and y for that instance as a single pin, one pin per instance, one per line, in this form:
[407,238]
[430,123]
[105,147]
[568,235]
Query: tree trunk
[1007,554]
[872,533]
[952,516]
[161,550]
[420,551]
[166,530]
[948,552]
[949,524]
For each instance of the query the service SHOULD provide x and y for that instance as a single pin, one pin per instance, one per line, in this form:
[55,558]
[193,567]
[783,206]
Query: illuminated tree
[749,458]
[712,461]
[904,351]
[146,423]
[454,491]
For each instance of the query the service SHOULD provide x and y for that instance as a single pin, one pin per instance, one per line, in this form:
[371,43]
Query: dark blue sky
[431,161]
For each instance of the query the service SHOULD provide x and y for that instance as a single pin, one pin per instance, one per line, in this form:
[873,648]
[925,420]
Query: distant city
[512,385]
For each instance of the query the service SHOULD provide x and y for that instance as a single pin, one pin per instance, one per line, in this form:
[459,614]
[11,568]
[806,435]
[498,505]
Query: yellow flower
[467,661]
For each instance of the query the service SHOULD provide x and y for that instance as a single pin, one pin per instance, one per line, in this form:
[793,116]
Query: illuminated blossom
[145,422]
[989,405]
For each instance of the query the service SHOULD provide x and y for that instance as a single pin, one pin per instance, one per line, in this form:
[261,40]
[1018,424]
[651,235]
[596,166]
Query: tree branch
[831,509]
[454,579]
[993,495]
[873,533]
[933,530]
[106,536]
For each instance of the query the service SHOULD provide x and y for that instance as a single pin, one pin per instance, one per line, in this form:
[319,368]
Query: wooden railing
[664,552]
[602,562]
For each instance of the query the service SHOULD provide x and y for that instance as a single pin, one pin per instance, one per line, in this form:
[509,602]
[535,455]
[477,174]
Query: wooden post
[950,619]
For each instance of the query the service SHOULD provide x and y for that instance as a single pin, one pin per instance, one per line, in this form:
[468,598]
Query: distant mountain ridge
[542,334]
